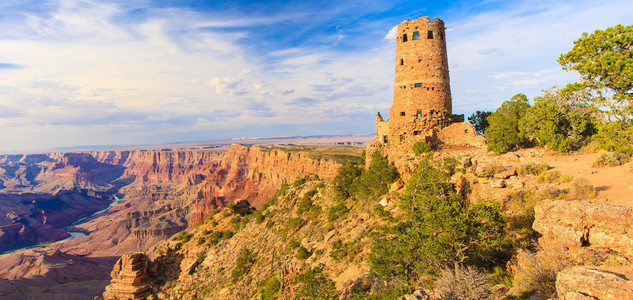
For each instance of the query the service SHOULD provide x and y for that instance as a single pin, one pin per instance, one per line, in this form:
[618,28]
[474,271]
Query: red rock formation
[161,166]
[129,276]
[253,173]
[163,191]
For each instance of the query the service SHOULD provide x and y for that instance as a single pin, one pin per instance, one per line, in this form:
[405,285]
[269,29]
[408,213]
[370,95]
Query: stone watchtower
[422,104]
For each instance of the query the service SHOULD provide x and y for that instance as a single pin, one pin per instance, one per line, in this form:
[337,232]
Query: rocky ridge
[593,233]
[160,192]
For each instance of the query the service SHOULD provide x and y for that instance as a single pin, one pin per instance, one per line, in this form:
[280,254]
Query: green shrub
[243,264]
[548,177]
[581,189]
[303,253]
[520,221]
[217,236]
[382,213]
[235,220]
[205,232]
[306,203]
[292,245]
[421,147]
[479,120]
[314,284]
[344,179]
[375,181]
[300,181]
[500,275]
[201,241]
[565,178]
[610,159]
[259,216]
[182,236]
[533,169]
[336,212]
[269,289]
[294,223]
[227,235]
[341,250]
[431,232]
[503,133]
[338,251]
[244,221]
[201,258]
[616,137]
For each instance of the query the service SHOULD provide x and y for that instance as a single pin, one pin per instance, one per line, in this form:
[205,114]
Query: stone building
[422,105]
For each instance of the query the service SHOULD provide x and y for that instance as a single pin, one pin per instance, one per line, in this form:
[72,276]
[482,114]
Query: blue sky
[94,72]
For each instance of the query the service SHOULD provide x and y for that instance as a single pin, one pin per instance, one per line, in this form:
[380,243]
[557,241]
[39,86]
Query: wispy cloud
[76,72]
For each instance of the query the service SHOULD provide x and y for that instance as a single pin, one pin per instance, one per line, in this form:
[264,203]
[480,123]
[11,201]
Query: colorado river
[78,234]
[73,234]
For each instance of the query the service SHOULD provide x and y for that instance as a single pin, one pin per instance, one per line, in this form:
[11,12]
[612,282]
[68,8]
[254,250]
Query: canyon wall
[162,193]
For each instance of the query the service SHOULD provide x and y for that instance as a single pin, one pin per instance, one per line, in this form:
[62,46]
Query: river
[73,234]
[78,234]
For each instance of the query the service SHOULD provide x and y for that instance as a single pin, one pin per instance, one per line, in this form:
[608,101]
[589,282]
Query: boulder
[583,223]
[591,283]
[505,173]
[497,183]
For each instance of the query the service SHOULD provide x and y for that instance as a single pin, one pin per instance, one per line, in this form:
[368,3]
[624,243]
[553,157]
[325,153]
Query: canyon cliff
[161,193]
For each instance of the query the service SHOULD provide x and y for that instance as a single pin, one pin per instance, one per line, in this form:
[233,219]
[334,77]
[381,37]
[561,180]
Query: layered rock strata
[129,276]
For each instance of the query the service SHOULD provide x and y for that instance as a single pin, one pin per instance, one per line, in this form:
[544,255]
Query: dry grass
[463,283]
[609,159]
[536,272]
[581,189]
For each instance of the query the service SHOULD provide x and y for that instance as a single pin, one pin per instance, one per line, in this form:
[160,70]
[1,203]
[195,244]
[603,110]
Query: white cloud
[392,34]
[514,49]
[88,77]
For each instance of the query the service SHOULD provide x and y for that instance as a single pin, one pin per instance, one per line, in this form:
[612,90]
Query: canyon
[161,193]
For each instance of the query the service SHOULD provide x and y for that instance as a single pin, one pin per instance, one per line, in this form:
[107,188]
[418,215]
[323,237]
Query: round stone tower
[422,104]
[422,94]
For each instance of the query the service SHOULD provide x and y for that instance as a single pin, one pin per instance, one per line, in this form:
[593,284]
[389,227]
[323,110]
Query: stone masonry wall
[422,95]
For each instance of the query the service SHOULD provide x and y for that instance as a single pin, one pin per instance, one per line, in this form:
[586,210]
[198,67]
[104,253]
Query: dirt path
[613,184]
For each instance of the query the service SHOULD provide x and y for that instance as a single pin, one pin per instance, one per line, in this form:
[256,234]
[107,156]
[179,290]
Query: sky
[127,72]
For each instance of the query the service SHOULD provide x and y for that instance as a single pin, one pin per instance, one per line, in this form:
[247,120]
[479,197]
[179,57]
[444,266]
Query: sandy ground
[613,184]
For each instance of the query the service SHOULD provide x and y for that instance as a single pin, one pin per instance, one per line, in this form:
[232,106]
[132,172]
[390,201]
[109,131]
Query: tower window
[419,113]
[416,35]
[401,61]
[441,35]
[402,113]
[427,88]
[432,88]
[418,84]
[419,60]
[430,34]
[404,37]
[385,139]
